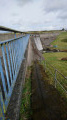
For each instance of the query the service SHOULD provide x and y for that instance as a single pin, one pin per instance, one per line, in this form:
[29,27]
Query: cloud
[33,14]
[55,5]
[57,9]
[23,2]
[62,15]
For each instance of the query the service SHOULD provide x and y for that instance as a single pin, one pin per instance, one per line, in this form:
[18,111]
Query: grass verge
[25,110]
[54,59]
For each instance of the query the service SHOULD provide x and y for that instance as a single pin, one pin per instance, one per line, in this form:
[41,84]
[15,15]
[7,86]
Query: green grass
[55,60]
[25,111]
[61,41]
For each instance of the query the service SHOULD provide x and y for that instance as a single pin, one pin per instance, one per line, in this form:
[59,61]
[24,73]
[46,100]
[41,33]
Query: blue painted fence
[11,56]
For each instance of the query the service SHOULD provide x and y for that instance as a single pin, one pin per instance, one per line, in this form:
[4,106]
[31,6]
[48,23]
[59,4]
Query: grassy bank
[61,41]
[25,111]
[54,59]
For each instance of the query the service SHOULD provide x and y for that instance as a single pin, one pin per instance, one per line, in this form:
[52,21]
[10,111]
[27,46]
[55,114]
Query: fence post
[55,78]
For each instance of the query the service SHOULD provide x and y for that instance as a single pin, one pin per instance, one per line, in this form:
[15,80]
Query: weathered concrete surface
[30,53]
[38,43]
[15,101]
[36,53]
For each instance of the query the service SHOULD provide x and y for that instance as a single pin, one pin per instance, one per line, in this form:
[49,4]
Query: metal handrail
[10,40]
[12,55]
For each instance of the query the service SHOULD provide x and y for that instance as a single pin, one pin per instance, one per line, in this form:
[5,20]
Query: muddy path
[47,103]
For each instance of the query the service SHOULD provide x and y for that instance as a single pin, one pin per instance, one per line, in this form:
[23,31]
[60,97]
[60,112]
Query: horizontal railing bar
[57,70]
[62,86]
[10,40]
[57,78]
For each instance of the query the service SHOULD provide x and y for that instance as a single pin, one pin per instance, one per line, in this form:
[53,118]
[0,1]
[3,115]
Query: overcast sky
[27,15]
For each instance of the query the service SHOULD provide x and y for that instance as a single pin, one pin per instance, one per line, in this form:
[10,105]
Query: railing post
[5,64]
[55,78]
[15,35]
[2,109]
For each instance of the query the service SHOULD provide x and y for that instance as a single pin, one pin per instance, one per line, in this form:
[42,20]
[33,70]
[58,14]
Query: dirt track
[47,103]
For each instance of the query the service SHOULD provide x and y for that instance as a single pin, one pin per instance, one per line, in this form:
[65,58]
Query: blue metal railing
[11,56]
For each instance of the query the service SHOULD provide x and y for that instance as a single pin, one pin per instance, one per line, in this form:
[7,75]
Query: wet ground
[47,104]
